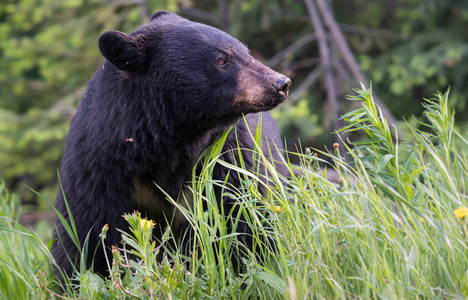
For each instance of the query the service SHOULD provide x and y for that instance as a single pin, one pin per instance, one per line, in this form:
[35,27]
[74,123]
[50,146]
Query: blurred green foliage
[48,52]
[430,51]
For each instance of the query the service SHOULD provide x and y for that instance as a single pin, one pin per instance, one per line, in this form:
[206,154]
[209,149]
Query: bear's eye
[221,62]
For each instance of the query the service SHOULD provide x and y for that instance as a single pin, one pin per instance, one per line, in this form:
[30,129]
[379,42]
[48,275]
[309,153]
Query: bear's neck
[176,148]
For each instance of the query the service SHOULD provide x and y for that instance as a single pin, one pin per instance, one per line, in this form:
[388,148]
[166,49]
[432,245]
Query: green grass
[386,231]
[24,259]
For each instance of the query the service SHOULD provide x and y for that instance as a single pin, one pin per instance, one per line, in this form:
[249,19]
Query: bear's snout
[282,85]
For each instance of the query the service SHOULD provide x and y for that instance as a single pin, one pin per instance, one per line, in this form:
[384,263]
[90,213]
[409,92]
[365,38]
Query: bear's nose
[282,85]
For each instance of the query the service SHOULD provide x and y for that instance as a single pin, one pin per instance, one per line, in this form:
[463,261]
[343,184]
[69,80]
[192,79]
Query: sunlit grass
[393,227]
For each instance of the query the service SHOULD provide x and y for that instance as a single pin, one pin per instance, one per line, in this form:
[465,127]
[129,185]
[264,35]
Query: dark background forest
[408,49]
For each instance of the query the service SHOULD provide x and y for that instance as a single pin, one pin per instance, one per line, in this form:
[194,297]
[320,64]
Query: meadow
[394,226]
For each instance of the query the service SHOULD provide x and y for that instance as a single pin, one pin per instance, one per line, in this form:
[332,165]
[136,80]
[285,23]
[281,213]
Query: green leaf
[273,280]
[383,161]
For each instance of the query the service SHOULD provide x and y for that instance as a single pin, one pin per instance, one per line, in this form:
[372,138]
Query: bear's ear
[125,52]
[161,13]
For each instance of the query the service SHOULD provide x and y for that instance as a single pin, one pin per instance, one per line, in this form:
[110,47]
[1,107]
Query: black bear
[163,95]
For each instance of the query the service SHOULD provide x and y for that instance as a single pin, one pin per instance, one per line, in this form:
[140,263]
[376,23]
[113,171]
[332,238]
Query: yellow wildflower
[146,224]
[461,212]
[421,219]
[278,209]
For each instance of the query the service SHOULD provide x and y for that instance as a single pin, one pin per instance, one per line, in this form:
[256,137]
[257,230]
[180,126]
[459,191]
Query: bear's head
[203,76]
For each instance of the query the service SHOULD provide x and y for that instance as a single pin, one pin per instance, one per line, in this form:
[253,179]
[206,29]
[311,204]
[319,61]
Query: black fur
[162,96]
